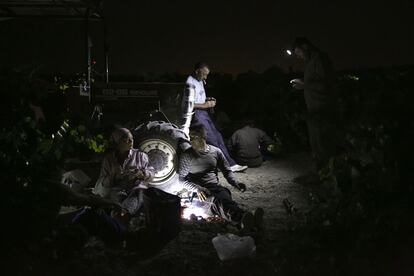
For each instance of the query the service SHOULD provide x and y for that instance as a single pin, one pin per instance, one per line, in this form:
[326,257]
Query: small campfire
[195,209]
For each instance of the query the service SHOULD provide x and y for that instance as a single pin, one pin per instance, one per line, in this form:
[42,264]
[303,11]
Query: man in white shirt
[201,107]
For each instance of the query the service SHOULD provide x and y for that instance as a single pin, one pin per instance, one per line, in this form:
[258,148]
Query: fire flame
[195,207]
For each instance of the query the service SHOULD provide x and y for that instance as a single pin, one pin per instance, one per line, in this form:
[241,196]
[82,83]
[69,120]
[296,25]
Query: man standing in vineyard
[320,97]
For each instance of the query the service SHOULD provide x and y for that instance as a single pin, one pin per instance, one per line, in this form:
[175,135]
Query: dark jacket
[319,78]
[246,145]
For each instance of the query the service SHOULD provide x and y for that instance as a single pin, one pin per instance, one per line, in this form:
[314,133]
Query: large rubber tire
[162,142]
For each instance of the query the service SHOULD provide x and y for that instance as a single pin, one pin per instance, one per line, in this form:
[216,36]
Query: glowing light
[194,210]
[289,52]
[200,209]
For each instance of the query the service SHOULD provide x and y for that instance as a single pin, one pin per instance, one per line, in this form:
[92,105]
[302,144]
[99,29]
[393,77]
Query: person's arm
[317,80]
[141,171]
[70,197]
[264,139]
[148,171]
[224,166]
[105,176]
[183,172]
[232,143]
[205,105]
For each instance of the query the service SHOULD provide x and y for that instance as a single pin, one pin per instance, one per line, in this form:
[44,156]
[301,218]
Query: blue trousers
[100,224]
[214,137]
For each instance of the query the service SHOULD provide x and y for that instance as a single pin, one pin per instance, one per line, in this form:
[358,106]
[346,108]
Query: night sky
[232,36]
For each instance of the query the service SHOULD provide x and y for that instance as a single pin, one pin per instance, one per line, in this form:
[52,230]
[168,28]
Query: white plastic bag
[76,180]
[230,246]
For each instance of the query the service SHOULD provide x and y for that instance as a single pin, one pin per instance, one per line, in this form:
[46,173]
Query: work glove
[240,186]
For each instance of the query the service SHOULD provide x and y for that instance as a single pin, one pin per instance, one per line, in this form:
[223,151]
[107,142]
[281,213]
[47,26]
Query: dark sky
[232,36]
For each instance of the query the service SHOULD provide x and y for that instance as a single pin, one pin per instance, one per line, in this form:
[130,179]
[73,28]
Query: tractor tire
[162,142]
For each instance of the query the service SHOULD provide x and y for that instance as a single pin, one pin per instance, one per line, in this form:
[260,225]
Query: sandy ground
[270,184]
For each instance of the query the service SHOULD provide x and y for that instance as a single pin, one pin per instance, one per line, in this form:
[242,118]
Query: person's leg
[315,139]
[246,220]
[321,138]
[98,223]
[214,137]
[223,197]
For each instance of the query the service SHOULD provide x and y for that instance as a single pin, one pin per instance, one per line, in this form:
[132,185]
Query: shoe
[258,218]
[247,222]
[238,168]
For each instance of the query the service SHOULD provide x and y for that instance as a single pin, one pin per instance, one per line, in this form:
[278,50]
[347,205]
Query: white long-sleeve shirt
[200,93]
[113,177]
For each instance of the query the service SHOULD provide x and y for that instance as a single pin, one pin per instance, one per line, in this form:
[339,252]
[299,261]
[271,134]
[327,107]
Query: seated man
[198,173]
[124,172]
[247,144]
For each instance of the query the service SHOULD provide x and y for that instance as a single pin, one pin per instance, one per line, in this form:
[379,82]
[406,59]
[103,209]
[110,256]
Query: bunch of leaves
[31,162]
[80,137]
[356,214]
[28,151]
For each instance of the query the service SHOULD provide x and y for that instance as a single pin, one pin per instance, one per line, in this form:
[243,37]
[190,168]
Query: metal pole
[88,54]
[106,50]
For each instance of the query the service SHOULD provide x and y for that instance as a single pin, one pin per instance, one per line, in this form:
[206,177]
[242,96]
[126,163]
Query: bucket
[162,213]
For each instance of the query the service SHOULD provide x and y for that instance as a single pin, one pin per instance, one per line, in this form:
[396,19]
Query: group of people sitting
[125,173]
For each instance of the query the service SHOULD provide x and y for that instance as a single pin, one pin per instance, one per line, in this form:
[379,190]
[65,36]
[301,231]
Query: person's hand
[273,148]
[139,174]
[134,172]
[297,84]
[202,193]
[211,103]
[240,186]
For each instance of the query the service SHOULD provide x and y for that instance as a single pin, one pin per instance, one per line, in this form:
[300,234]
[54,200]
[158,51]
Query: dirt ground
[270,184]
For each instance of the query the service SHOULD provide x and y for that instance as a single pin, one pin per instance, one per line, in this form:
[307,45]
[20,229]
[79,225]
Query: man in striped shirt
[198,172]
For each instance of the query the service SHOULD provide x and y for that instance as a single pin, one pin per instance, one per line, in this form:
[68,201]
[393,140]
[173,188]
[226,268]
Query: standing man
[202,106]
[319,92]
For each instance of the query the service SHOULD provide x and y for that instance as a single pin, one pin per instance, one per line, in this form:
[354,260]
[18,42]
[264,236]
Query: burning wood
[193,208]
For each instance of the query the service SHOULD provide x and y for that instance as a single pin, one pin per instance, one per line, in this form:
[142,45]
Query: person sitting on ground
[248,143]
[198,172]
[124,173]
